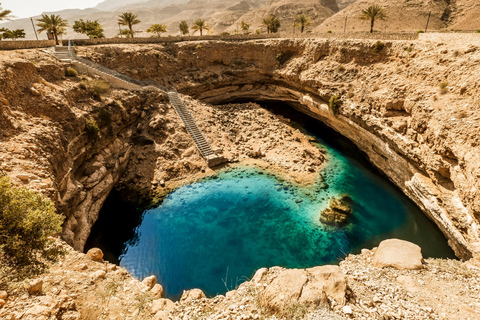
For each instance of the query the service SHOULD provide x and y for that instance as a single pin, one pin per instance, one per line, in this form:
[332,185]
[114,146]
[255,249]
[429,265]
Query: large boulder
[338,212]
[193,294]
[95,254]
[311,288]
[398,254]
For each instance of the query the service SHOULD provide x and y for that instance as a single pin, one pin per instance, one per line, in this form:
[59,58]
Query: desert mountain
[285,11]
[409,15]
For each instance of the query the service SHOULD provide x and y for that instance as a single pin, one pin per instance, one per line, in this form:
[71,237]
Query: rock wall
[409,106]
[44,143]
[26,44]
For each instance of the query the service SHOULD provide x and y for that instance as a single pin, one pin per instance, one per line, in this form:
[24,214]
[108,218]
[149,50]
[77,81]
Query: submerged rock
[338,212]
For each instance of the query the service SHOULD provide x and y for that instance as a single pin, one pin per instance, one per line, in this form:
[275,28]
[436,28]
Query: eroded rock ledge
[411,107]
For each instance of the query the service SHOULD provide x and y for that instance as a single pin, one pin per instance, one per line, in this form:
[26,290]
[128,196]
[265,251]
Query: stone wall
[26,44]
[456,38]
[87,42]
[356,35]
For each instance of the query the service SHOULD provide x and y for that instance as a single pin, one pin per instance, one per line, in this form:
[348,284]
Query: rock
[157,291]
[408,283]
[338,212]
[398,254]
[193,294]
[38,311]
[2,302]
[285,289]
[259,275]
[3,295]
[95,254]
[327,279]
[347,310]
[162,305]
[35,287]
[100,274]
[150,282]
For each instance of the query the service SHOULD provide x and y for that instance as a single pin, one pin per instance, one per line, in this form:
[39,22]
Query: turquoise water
[216,233]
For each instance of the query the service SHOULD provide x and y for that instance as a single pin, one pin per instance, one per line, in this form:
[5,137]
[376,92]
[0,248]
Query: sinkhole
[215,233]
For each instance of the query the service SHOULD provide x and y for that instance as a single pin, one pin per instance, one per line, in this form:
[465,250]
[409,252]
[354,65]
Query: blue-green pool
[216,233]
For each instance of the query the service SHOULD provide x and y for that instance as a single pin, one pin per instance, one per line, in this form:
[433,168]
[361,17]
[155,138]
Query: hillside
[408,15]
[286,10]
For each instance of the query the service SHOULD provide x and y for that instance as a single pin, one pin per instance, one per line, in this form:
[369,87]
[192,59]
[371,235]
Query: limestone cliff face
[409,106]
[44,144]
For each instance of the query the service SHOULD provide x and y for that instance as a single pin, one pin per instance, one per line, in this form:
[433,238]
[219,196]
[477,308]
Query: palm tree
[371,13]
[128,19]
[303,21]
[4,14]
[52,24]
[272,23]
[200,25]
[183,27]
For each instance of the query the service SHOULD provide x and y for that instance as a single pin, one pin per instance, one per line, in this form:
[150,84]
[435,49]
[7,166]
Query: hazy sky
[28,8]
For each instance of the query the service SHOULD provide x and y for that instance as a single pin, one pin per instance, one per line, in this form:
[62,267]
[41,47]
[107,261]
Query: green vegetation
[378,46]
[70,72]
[128,19]
[183,27]
[98,87]
[104,116]
[478,31]
[333,104]
[12,34]
[272,23]
[92,129]
[420,31]
[27,222]
[303,21]
[200,25]
[372,13]
[245,27]
[224,33]
[92,29]
[443,87]
[282,58]
[158,29]
[329,31]
[4,14]
[53,25]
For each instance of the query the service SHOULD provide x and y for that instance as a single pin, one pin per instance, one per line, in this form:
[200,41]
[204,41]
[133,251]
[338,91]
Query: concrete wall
[455,38]
[25,44]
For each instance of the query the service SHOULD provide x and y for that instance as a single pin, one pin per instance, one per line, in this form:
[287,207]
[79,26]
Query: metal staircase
[68,54]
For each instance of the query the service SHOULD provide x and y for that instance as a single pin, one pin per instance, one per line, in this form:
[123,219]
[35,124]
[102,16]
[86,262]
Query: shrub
[98,87]
[329,31]
[409,49]
[420,31]
[224,33]
[341,68]
[70,72]
[27,221]
[443,87]
[92,129]
[333,104]
[104,116]
[282,57]
[478,31]
[378,46]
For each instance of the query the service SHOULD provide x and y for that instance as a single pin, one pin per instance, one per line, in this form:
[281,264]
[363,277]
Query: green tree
[272,23]
[372,13]
[128,19]
[92,29]
[53,24]
[13,34]
[158,29]
[27,222]
[4,14]
[245,27]
[183,27]
[200,25]
[303,21]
